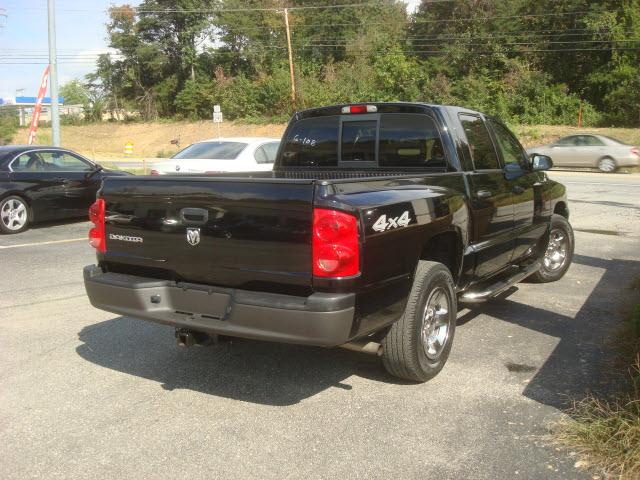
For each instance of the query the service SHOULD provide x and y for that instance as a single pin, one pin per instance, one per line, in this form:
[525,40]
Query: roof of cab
[383,107]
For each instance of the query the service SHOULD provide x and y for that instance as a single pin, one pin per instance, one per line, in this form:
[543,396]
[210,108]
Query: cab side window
[511,150]
[481,147]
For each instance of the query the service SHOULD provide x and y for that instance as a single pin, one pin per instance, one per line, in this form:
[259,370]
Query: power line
[340,40]
[231,10]
[463,44]
[413,51]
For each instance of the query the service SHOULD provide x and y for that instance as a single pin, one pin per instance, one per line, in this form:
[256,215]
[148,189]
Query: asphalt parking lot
[88,394]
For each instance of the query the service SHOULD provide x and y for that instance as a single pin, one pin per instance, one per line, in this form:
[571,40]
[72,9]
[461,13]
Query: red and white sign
[36,110]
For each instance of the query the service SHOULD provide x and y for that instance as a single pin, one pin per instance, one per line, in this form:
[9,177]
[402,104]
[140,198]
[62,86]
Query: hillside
[106,141]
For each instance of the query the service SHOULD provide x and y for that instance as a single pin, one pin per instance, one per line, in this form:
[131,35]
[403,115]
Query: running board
[491,290]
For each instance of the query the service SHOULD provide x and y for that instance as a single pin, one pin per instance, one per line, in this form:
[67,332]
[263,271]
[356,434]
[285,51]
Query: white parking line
[37,244]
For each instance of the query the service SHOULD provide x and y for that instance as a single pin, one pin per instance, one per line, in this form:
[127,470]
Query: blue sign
[32,100]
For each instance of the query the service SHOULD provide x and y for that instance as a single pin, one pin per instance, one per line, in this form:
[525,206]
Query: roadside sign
[216,109]
[128,148]
[217,117]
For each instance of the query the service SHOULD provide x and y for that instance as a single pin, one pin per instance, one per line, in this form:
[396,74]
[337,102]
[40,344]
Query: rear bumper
[321,319]
[628,161]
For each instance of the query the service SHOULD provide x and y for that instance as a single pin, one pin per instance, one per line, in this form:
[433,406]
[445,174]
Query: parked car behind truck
[39,183]
[377,220]
[218,155]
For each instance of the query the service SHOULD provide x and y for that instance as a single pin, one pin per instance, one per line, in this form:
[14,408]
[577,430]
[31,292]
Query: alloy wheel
[607,165]
[436,322]
[556,254]
[13,214]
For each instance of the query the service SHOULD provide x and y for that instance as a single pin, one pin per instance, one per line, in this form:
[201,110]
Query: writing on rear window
[304,140]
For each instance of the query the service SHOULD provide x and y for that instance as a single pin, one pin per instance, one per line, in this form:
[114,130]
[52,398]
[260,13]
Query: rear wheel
[14,214]
[417,346]
[559,253]
[607,165]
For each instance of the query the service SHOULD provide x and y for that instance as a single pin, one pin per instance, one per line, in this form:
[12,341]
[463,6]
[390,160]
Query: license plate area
[194,304]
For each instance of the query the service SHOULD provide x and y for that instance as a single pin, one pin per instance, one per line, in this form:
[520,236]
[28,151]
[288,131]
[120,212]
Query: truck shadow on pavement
[582,360]
[280,374]
[251,371]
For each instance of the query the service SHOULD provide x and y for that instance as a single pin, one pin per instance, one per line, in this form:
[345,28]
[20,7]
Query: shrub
[8,125]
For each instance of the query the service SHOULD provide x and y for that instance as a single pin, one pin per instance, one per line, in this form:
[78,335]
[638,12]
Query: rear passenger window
[28,162]
[592,141]
[567,142]
[512,152]
[271,151]
[410,140]
[260,156]
[312,142]
[483,153]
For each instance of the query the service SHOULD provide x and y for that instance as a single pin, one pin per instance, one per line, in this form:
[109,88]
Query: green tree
[74,92]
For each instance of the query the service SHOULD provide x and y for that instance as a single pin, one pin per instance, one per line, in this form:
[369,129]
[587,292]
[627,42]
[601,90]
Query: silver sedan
[595,151]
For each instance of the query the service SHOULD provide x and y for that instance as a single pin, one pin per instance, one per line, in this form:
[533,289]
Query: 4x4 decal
[384,223]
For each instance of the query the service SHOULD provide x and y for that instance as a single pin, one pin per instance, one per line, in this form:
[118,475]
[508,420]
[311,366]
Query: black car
[45,183]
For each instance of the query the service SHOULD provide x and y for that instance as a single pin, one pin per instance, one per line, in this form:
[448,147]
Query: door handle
[64,181]
[517,189]
[194,216]
[484,194]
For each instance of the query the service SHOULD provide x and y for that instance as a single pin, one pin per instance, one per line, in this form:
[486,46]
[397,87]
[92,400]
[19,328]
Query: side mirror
[540,163]
[96,168]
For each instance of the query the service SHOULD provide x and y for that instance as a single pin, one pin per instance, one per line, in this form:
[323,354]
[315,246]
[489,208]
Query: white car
[218,155]
[595,151]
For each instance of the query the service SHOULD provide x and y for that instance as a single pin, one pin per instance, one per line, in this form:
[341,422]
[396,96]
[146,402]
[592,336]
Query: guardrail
[135,165]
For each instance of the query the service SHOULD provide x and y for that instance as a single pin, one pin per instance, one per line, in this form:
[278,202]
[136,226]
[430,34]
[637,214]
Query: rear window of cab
[374,140]
[212,150]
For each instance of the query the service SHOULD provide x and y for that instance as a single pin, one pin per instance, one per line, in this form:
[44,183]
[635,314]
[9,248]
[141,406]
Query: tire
[551,270]
[406,351]
[14,214]
[607,165]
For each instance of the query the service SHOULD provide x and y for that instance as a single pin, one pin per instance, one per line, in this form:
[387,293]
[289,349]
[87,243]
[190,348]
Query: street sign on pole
[217,117]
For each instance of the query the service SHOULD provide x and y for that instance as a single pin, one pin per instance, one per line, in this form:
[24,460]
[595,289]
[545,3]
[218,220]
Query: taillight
[359,109]
[335,244]
[635,151]
[96,235]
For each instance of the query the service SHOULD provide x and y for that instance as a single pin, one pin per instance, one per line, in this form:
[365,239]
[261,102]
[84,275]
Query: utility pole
[293,80]
[580,115]
[53,74]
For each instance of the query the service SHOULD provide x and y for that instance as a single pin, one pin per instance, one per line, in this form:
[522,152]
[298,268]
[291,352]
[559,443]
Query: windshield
[212,150]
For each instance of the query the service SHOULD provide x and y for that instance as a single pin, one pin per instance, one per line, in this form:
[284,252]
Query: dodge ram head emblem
[193,236]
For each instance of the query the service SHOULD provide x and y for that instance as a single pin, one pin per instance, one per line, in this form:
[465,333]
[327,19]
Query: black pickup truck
[377,220]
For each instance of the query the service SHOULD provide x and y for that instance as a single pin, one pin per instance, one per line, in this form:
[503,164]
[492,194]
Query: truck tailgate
[253,234]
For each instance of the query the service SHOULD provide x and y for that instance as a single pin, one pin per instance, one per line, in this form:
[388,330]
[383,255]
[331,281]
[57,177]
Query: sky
[81,35]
